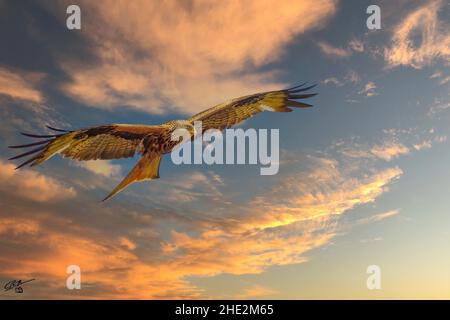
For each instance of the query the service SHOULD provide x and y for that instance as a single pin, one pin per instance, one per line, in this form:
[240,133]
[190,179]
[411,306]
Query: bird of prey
[117,141]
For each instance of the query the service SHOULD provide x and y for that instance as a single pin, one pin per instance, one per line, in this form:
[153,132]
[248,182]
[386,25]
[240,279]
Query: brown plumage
[117,141]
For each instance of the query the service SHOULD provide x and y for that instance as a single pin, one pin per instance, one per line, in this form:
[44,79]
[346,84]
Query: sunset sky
[364,176]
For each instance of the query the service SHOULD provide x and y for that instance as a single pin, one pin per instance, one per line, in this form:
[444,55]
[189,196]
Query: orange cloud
[255,292]
[435,38]
[21,85]
[10,226]
[32,184]
[104,167]
[322,193]
[153,54]
[331,51]
[389,151]
[276,228]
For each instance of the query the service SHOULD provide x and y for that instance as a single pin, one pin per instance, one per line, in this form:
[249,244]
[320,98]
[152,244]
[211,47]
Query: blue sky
[363,178]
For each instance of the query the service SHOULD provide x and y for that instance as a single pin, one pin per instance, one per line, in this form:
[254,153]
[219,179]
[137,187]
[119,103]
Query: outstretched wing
[102,142]
[230,113]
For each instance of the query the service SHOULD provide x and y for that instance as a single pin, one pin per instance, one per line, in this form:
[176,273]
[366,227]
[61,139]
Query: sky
[363,179]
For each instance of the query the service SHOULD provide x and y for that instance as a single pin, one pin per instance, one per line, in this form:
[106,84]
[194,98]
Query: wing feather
[228,114]
[103,142]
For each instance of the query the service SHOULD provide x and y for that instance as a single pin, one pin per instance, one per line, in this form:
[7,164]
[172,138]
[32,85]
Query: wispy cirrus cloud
[255,292]
[424,27]
[332,51]
[369,89]
[389,150]
[443,79]
[393,144]
[356,45]
[352,77]
[21,85]
[353,46]
[379,216]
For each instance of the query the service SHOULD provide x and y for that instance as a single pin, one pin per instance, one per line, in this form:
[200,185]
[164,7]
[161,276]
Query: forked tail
[146,169]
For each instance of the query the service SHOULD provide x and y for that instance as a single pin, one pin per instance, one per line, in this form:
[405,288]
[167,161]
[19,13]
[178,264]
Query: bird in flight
[117,141]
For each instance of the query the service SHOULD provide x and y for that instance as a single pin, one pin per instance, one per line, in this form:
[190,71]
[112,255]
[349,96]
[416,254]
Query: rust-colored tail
[147,168]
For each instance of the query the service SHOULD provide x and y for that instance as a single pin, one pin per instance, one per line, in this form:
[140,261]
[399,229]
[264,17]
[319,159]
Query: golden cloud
[255,291]
[389,151]
[31,184]
[336,52]
[104,167]
[276,228]
[435,38]
[21,85]
[189,56]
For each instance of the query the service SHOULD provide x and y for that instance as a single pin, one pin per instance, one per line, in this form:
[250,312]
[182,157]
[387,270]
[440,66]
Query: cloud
[298,213]
[331,51]
[438,106]
[323,198]
[389,150]
[356,45]
[422,24]
[369,89]
[380,216]
[255,292]
[427,144]
[9,226]
[184,57]
[104,167]
[21,85]
[394,143]
[31,184]
[190,187]
[439,75]
[445,80]
[435,75]
[127,243]
[334,81]
[351,77]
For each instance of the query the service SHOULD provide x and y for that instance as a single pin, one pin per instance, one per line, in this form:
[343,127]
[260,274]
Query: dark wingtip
[55,129]
[297,86]
[302,96]
[30,144]
[298,104]
[106,198]
[28,153]
[294,90]
[40,136]
[27,162]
